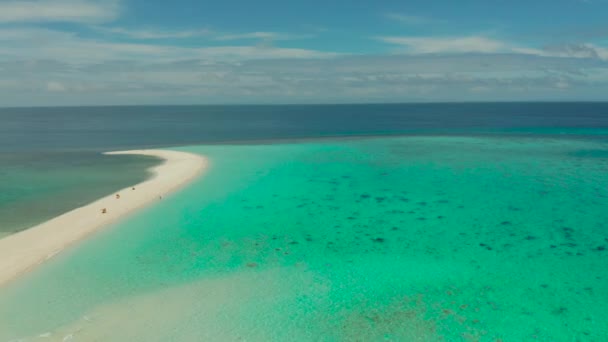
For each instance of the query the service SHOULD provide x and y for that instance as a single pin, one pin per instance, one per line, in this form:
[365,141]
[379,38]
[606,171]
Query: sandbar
[25,250]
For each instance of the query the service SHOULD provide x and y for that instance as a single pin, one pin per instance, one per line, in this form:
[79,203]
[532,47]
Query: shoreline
[23,251]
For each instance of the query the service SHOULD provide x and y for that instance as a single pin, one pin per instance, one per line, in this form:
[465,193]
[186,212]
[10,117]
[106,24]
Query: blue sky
[102,52]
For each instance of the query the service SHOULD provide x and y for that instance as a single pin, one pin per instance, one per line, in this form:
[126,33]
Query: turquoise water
[399,239]
[36,186]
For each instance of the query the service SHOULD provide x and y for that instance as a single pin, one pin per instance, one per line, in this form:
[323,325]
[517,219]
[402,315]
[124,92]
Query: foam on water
[404,239]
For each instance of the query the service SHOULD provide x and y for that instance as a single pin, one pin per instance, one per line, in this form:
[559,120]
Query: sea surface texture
[51,161]
[450,222]
[426,238]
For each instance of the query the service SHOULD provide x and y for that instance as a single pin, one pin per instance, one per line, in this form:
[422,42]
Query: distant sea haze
[107,128]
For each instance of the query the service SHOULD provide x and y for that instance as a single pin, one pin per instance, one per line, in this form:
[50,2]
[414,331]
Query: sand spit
[23,251]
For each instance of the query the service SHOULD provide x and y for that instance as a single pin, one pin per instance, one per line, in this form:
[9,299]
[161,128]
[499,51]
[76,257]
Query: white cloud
[28,35]
[251,35]
[447,45]
[150,34]
[212,77]
[77,11]
[154,33]
[26,44]
[55,87]
[480,44]
[55,67]
[480,89]
[411,19]
[576,51]
[260,36]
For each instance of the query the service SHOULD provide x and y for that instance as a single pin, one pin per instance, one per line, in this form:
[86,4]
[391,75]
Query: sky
[130,52]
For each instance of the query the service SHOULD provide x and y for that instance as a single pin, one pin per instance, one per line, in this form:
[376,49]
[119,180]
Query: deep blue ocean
[104,128]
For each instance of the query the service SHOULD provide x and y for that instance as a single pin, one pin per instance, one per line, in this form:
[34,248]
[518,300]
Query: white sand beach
[23,251]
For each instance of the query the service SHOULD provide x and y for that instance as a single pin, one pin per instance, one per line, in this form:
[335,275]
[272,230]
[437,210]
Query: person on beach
[117,196]
[104,210]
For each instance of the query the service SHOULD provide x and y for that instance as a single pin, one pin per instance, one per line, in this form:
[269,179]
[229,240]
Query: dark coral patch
[560,311]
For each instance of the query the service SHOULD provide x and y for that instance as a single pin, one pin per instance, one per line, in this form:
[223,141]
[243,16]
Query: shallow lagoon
[37,186]
[413,238]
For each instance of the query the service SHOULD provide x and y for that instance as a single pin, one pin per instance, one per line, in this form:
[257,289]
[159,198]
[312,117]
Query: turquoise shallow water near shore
[413,238]
[37,186]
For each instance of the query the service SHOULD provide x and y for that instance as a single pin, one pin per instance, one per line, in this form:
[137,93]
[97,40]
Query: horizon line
[302,104]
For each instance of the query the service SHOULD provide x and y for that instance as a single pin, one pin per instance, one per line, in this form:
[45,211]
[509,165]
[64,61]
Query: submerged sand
[23,251]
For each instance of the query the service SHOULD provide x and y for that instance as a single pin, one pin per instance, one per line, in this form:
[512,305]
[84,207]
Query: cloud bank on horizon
[102,52]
